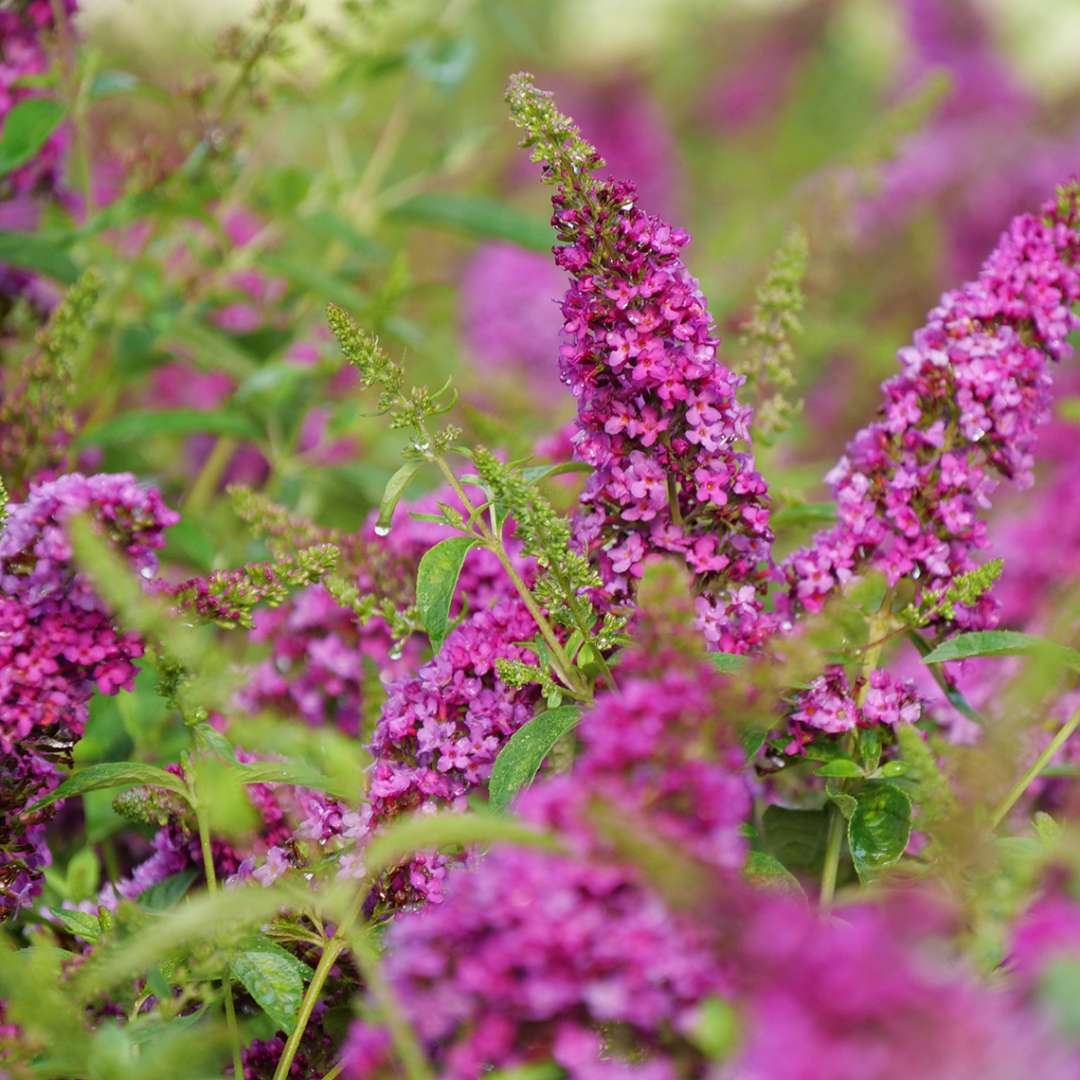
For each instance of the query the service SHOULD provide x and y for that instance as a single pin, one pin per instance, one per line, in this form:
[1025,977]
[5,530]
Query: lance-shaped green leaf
[428,832]
[26,129]
[879,829]
[520,759]
[1002,643]
[139,424]
[80,923]
[436,580]
[290,772]
[726,663]
[766,872]
[477,216]
[111,774]
[273,982]
[392,493]
[841,766]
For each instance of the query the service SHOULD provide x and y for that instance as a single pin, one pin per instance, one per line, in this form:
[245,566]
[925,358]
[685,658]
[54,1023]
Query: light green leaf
[288,772]
[436,581]
[714,1029]
[842,767]
[796,837]
[520,759]
[108,83]
[274,984]
[1002,643]
[766,872]
[80,923]
[727,663]
[812,514]
[139,424]
[879,830]
[169,892]
[26,129]
[395,488]
[44,252]
[111,774]
[892,769]
[477,216]
[426,832]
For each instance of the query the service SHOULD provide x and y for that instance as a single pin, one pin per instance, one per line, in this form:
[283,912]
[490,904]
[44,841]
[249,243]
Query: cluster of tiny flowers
[322,656]
[57,641]
[528,956]
[657,414]
[571,958]
[441,729]
[964,412]
[832,705]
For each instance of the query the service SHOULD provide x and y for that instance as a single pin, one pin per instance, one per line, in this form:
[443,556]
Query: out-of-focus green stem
[1037,766]
[212,888]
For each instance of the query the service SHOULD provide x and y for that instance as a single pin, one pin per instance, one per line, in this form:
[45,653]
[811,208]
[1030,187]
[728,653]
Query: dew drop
[146,572]
[382,530]
[395,654]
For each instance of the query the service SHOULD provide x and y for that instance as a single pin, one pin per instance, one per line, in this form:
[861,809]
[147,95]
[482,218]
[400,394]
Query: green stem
[206,483]
[834,840]
[226,982]
[406,1046]
[1037,767]
[833,843]
[331,951]
[560,661]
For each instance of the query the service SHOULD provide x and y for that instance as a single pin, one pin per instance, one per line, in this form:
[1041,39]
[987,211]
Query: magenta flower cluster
[578,959]
[962,414]
[657,414]
[831,705]
[58,642]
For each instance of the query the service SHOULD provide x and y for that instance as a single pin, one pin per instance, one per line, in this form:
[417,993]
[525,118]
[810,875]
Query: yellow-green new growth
[766,339]
[554,139]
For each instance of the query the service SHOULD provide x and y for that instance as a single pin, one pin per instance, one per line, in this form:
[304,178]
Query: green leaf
[83,873]
[843,767]
[395,488]
[843,801]
[869,746]
[892,769]
[1002,643]
[879,830]
[26,129]
[274,984]
[477,216]
[43,252]
[427,832]
[80,923]
[169,892]
[520,759]
[261,943]
[727,663]
[714,1029]
[752,742]
[139,424]
[535,473]
[796,837]
[289,772]
[766,872]
[436,580]
[810,514]
[108,83]
[111,774]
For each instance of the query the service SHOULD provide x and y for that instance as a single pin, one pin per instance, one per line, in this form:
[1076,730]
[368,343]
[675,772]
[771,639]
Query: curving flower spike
[963,413]
[657,414]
